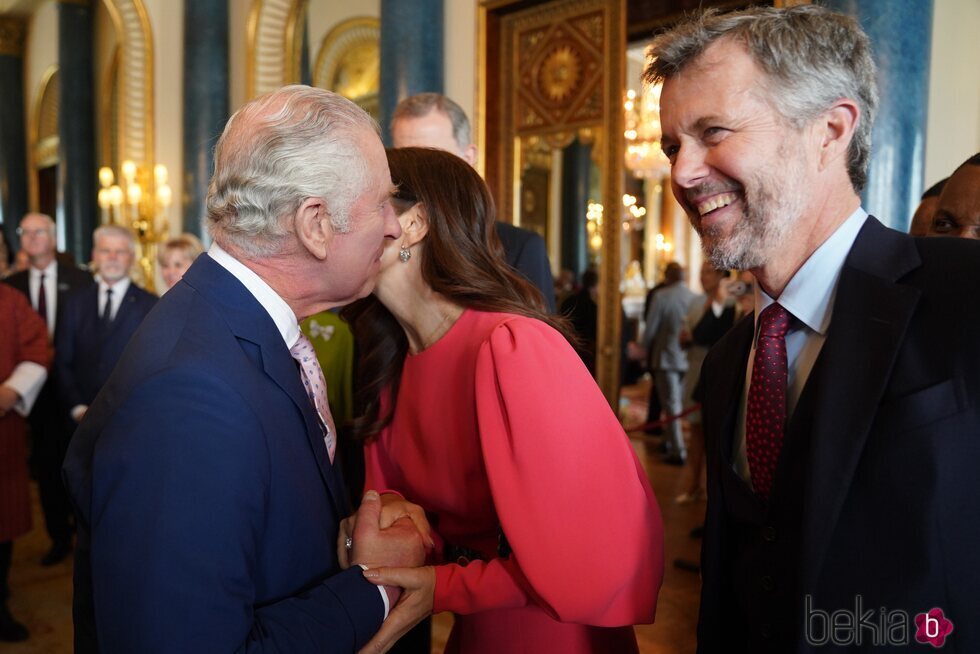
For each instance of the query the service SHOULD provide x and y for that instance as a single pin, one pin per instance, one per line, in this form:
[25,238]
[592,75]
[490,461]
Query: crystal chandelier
[644,156]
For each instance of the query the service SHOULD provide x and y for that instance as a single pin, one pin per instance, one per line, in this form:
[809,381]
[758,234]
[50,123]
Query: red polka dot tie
[316,388]
[765,418]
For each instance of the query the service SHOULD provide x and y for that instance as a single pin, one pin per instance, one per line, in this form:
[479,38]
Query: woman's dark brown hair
[460,257]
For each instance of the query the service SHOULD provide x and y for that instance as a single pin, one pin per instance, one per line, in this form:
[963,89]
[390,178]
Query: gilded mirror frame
[498,131]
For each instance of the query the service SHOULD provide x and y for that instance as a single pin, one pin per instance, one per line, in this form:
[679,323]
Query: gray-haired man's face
[433,130]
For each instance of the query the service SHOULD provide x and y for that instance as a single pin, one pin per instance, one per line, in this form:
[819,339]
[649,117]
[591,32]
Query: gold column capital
[13,30]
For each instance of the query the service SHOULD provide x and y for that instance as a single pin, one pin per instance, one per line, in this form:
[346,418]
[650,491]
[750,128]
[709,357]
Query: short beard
[771,211]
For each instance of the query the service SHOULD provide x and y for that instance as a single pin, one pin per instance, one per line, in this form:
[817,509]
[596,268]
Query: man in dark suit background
[203,478]
[47,283]
[957,211]
[98,321]
[841,420]
[431,120]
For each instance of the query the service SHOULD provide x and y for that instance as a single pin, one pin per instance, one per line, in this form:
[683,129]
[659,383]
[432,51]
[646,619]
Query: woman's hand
[415,604]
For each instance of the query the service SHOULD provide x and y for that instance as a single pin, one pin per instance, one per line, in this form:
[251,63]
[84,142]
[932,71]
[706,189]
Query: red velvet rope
[661,423]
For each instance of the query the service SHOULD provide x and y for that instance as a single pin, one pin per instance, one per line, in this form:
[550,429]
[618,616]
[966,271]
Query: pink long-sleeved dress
[500,429]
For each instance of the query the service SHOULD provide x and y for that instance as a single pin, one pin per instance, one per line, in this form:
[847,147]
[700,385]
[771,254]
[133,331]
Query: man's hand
[635,351]
[414,606]
[8,398]
[398,546]
[393,508]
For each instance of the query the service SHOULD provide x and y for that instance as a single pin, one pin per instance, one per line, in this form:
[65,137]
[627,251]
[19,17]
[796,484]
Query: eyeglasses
[31,232]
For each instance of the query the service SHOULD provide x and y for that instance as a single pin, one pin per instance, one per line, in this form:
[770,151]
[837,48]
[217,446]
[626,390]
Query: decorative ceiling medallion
[560,73]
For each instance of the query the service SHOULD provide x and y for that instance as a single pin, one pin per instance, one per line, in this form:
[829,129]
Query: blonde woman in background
[176,256]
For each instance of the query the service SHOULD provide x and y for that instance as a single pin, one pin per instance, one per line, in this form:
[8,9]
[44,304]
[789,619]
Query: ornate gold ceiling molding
[135,39]
[349,61]
[274,45]
[13,32]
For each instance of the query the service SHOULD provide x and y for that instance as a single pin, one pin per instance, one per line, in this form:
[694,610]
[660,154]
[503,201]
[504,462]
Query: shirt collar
[809,295]
[118,289]
[275,306]
[49,270]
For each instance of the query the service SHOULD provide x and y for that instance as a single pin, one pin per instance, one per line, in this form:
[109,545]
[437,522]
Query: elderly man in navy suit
[98,321]
[841,419]
[47,283]
[205,477]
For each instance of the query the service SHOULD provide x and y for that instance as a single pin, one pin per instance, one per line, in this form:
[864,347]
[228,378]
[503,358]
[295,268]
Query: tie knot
[302,349]
[774,321]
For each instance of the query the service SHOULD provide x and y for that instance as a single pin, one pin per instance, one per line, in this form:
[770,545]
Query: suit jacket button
[767,583]
[769,534]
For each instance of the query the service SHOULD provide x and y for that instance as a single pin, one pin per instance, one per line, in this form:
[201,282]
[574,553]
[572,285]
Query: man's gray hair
[115,230]
[811,56]
[422,104]
[278,150]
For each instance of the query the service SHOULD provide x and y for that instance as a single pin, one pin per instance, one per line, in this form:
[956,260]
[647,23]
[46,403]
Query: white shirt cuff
[384,594]
[26,379]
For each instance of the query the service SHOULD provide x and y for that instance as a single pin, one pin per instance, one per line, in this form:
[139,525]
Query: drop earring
[404,254]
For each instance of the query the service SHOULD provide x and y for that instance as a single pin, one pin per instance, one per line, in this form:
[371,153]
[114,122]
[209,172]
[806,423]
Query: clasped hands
[391,537]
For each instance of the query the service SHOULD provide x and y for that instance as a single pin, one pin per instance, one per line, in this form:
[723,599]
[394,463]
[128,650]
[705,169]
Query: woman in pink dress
[548,536]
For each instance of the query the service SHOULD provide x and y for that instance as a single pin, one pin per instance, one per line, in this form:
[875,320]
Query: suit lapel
[281,367]
[870,316]
[248,320]
[122,313]
[723,401]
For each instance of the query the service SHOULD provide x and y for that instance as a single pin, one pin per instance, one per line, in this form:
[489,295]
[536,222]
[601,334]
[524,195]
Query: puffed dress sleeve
[573,502]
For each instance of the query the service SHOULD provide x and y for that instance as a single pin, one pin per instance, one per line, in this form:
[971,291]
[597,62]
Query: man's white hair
[278,150]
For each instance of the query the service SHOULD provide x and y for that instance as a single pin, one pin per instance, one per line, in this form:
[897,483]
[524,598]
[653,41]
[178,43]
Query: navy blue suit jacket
[207,505]
[525,251]
[85,351]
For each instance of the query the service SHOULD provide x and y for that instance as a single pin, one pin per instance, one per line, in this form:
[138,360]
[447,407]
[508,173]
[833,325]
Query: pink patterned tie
[765,418]
[316,388]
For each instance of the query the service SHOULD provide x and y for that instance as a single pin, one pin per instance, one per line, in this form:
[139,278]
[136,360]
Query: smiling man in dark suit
[841,419]
[47,283]
[98,321]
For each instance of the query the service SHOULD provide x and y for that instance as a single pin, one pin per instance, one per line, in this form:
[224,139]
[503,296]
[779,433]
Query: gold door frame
[496,128]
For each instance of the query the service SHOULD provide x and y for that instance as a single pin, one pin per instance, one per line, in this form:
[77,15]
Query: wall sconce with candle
[147,214]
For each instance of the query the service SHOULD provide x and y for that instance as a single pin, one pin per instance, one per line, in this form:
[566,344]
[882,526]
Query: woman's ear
[415,225]
[313,229]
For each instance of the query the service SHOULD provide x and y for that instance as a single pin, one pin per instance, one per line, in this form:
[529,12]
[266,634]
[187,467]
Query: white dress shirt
[280,312]
[118,293]
[809,298]
[50,273]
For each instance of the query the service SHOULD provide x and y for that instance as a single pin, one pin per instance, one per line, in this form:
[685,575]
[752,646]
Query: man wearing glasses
[46,283]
